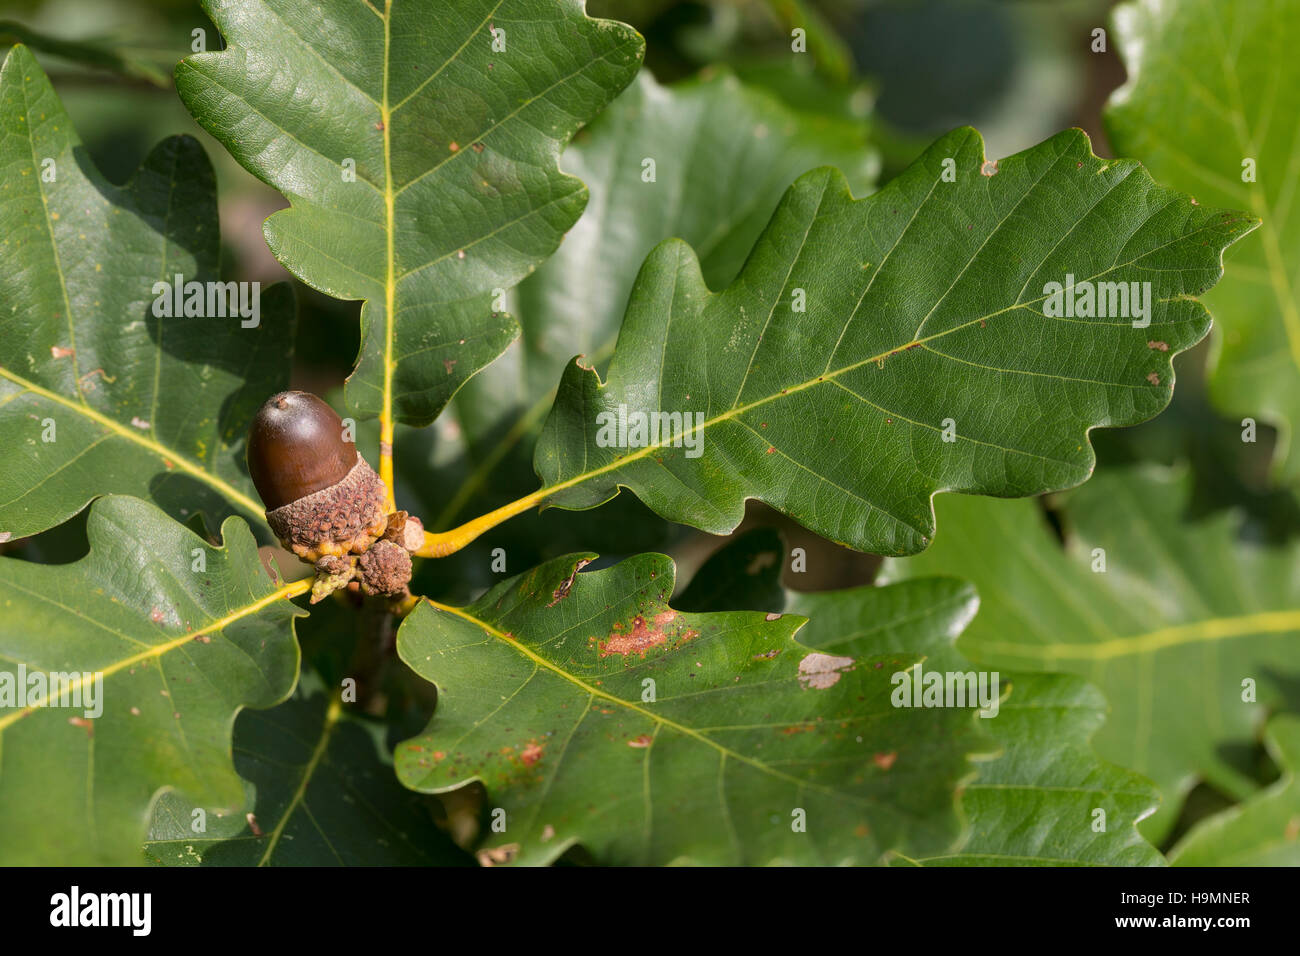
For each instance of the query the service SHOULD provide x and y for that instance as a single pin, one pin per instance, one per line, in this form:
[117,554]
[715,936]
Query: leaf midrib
[659,721]
[156,448]
[1178,635]
[158,650]
[737,410]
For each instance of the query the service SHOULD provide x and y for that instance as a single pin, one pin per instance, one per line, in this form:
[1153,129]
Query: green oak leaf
[321,793]
[1180,618]
[97,395]
[417,142]
[1265,829]
[1037,803]
[1211,86]
[596,714]
[724,154]
[183,635]
[1030,805]
[924,361]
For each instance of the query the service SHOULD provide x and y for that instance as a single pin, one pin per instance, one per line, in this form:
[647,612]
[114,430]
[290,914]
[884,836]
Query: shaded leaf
[182,634]
[321,792]
[1265,829]
[543,695]
[456,190]
[98,54]
[1213,85]
[1182,615]
[923,314]
[97,394]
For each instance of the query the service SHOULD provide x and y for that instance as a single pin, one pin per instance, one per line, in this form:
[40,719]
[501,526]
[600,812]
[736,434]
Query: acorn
[321,496]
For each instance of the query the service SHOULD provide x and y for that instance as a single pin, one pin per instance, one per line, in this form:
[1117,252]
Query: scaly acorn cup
[321,496]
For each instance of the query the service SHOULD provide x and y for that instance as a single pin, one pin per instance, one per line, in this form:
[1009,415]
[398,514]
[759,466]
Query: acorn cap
[296,448]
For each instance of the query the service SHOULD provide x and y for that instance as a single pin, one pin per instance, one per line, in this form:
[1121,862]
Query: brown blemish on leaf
[644,636]
[449,364]
[548,831]
[560,593]
[770,616]
[58,351]
[799,729]
[818,671]
[884,760]
[1158,346]
[989,168]
[84,723]
[252,824]
[766,655]
[1153,378]
[497,855]
[640,741]
[265,553]
[531,754]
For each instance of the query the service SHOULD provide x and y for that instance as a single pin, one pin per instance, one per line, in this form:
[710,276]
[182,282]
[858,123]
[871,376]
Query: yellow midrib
[162,451]
[158,650]
[444,543]
[331,719]
[1198,632]
[390,270]
[539,661]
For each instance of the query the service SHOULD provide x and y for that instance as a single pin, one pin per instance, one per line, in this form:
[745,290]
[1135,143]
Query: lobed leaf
[1211,100]
[97,394]
[1189,632]
[1035,802]
[176,636]
[925,315]
[417,142]
[321,792]
[1265,829]
[595,713]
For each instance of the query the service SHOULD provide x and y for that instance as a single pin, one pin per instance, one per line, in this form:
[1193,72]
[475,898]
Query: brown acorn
[321,497]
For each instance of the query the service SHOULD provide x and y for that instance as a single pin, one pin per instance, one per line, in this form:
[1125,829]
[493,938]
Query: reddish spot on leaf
[58,351]
[886,760]
[85,724]
[1158,346]
[531,754]
[252,824]
[641,740]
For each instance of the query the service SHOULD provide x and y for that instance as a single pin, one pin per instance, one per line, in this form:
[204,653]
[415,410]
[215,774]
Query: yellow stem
[439,545]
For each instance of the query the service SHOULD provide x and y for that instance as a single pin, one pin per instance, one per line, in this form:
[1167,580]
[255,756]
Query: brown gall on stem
[385,570]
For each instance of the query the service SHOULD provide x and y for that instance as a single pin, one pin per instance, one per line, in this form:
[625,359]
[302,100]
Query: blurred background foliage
[906,70]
